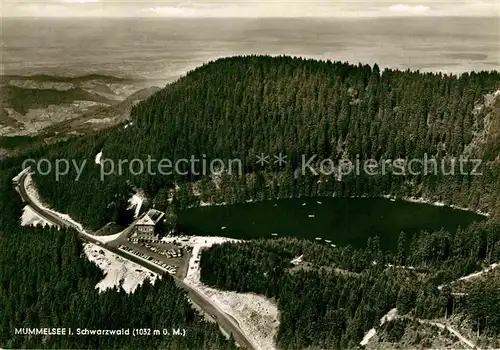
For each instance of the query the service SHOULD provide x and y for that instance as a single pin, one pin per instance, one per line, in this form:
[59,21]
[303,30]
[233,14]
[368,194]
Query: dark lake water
[342,221]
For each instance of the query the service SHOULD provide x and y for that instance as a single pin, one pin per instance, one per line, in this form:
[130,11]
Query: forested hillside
[241,107]
[335,295]
[46,281]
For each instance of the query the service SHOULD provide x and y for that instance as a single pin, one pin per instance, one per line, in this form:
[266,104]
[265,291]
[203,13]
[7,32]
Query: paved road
[225,321]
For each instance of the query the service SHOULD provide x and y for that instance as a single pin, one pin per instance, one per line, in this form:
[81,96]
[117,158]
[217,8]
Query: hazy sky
[252,8]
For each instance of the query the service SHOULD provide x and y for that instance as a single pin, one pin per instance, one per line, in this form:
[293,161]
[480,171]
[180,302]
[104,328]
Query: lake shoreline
[339,221]
[411,199]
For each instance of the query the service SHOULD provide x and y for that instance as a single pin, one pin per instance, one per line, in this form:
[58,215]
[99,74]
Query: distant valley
[43,108]
[280,256]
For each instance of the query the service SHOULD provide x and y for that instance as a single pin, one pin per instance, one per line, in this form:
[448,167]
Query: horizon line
[251,17]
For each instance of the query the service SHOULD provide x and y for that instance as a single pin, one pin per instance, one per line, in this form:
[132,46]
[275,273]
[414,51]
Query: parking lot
[173,257]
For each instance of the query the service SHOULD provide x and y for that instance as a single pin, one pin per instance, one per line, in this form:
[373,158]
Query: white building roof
[151,218]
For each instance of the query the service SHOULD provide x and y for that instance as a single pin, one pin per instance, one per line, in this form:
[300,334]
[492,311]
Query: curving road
[225,321]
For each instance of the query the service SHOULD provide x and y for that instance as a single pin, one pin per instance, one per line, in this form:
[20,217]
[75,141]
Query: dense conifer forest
[46,281]
[336,295]
[241,107]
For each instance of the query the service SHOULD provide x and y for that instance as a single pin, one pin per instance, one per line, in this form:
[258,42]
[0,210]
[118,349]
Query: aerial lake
[339,220]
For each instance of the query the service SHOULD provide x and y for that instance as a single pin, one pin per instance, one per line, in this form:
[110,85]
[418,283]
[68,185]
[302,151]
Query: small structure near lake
[149,226]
